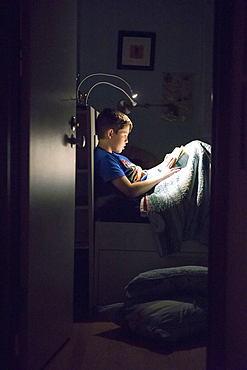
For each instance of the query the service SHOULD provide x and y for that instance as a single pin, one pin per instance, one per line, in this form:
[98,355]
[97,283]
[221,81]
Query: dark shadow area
[161,347]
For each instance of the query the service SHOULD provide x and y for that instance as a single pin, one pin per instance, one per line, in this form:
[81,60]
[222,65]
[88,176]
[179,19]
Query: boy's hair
[111,119]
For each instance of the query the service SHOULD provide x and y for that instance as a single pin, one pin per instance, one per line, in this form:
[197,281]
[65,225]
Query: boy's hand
[138,174]
[169,170]
[169,161]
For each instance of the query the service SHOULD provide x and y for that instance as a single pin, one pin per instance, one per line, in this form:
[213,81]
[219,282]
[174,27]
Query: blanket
[178,208]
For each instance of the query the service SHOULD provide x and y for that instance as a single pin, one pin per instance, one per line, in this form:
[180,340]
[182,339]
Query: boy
[115,175]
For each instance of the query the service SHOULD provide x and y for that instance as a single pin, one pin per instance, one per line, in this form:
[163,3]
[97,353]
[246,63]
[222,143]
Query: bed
[121,250]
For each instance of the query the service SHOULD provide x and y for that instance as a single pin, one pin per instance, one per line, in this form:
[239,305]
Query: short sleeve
[108,168]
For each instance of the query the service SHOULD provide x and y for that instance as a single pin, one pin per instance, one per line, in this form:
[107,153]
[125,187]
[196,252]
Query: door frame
[9,157]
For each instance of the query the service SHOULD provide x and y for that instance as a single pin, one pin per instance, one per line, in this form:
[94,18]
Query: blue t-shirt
[109,166]
[110,203]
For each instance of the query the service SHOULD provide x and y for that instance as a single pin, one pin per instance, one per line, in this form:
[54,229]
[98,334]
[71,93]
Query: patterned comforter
[178,208]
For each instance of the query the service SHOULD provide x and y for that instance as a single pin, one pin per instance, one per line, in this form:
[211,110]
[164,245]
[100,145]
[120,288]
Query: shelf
[81,189]
[83,241]
[81,225]
[81,284]
[82,171]
[81,207]
[81,246]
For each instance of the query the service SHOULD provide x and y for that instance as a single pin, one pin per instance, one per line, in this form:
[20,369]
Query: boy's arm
[136,189]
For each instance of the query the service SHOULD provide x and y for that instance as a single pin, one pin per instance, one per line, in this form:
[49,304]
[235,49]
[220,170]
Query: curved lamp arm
[108,83]
[108,75]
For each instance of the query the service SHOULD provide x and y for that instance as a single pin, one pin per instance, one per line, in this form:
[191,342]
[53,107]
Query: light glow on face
[120,140]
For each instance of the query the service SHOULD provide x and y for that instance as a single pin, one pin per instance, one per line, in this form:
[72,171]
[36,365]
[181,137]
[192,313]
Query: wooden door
[47,191]
[227,349]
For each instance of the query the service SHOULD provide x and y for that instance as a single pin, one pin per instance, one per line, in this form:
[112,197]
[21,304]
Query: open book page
[177,152]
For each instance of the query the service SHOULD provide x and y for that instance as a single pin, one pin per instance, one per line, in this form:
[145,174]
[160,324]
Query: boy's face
[119,140]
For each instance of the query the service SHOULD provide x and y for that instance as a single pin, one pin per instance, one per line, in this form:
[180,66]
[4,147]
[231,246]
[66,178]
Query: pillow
[141,157]
[184,283]
[113,312]
[167,320]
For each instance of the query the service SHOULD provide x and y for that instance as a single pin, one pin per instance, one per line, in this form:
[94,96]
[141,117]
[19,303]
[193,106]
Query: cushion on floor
[184,283]
[167,320]
[165,304]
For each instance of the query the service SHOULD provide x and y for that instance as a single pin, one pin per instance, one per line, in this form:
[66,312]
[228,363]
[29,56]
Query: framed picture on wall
[136,50]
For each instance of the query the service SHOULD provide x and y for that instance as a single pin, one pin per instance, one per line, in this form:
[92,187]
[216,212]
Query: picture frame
[136,50]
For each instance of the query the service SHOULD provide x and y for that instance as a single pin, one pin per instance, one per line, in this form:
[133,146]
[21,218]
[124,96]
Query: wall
[184,34]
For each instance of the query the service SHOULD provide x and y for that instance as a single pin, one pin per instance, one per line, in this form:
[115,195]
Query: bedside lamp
[123,106]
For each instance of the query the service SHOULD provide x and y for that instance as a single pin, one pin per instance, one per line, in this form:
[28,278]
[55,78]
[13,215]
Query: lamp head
[125,106]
